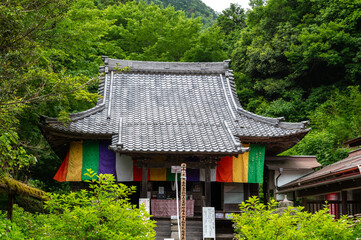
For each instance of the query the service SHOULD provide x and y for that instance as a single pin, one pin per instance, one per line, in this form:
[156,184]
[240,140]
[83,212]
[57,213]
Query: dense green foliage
[133,30]
[232,21]
[103,212]
[28,83]
[195,8]
[259,221]
[297,58]
[301,59]
[47,62]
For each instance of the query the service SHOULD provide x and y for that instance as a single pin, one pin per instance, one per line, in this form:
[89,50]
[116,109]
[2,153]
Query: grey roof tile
[173,107]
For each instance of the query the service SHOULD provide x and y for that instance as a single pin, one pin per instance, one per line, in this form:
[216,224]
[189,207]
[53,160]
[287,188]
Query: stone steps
[162,229]
[165,229]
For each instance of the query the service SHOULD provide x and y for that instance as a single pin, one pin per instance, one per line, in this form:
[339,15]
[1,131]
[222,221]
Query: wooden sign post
[183,213]
[209,223]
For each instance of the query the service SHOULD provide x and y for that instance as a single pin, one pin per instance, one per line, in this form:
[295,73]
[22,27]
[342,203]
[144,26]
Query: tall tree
[26,81]
[148,32]
[191,8]
[301,59]
[295,45]
[231,21]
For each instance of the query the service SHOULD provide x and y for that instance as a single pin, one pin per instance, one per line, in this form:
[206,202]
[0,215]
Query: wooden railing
[335,207]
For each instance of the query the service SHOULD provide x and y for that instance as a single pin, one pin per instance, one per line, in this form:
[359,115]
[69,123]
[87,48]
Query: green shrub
[103,212]
[10,230]
[259,221]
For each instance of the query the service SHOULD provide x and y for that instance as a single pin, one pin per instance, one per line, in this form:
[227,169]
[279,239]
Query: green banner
[256,163]
[90,157]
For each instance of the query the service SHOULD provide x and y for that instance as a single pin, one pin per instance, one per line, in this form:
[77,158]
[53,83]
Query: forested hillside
[297,58]
[191,8]
[49,51]
[301,60]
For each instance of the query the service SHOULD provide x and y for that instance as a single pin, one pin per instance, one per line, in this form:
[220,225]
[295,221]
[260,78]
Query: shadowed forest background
[298,59]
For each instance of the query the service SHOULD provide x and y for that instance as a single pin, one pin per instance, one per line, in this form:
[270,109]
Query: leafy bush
[103,212]
[10,230]
[259,221]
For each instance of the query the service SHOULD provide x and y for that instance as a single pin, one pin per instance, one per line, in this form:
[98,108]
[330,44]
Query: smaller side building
[339,184]
[282,170]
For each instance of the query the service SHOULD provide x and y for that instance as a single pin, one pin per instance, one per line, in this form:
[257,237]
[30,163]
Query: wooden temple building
[339,184]
[160,114]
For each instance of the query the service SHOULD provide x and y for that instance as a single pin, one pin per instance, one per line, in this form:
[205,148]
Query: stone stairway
[194,229]
[163,228]
[167,228]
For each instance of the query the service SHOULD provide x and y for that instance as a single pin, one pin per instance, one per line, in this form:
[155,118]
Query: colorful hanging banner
[75,162]
[256,163]
[106,159]
[60,176]
[245,168]
[90,158]
[240,167]
[224,170]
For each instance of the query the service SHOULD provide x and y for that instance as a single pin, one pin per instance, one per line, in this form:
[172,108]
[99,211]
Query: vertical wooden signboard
[183,201]
[209,223]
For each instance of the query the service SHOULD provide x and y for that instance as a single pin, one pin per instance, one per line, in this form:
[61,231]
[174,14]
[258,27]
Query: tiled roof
[172,107]
[345,168]
[292,162]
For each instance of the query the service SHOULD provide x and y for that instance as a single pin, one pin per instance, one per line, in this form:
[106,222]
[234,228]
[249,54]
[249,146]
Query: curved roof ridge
[279,122]
[269,120]
[80,115]
[151,66]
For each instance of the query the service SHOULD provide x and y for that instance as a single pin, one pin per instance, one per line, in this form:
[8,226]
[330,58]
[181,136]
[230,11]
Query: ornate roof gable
[173,107]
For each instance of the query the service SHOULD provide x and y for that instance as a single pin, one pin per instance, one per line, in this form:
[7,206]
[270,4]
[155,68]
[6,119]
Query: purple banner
[106,159]
[192,174]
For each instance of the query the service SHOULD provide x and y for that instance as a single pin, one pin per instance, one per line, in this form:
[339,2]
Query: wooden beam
[175,153]
[207,185]
[168,164]
[304,203]
[266,185]
[246,191]
[344,203]
[330,188]
[143,194]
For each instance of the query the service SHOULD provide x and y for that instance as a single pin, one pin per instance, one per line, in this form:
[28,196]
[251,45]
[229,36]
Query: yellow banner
[240,167]
[75,161]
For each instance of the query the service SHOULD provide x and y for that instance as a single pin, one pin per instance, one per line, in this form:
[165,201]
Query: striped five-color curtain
[95,155]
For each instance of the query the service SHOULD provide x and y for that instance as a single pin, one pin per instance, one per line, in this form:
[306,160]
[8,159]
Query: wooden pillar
[246,191]
[344,203]
[265,185]
[143,194]
[207,185]
[304,203]
[11,200]
[294,197]
[254,189]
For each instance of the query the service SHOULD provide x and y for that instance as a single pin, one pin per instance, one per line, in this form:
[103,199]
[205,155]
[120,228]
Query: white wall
[289,175]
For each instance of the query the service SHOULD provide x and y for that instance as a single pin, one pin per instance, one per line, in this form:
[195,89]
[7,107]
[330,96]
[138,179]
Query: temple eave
[276,145]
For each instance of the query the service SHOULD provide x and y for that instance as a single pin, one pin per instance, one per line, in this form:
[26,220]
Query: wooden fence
[335,207]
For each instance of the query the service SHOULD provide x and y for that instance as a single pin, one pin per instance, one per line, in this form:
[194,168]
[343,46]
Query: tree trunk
[11,200]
